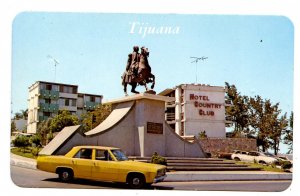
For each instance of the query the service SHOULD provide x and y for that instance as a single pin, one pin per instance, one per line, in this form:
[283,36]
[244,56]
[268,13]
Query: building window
[61,88]
[74,102]
[48,87]
[46,114]
[92,99]
[67,102]
[74,90]
[98,99]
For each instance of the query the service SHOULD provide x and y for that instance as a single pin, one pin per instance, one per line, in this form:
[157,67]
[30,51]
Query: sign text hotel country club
[202,102]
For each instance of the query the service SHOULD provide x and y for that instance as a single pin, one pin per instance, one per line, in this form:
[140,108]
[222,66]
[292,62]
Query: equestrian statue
[138,71]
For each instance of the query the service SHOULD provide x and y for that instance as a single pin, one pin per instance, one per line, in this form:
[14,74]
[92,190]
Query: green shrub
[35,152]
[21,141]
[35,140]
[158,159]
[202,135]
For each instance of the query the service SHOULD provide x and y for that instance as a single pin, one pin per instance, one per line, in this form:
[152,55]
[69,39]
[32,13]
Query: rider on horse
[130,74]
[138,70]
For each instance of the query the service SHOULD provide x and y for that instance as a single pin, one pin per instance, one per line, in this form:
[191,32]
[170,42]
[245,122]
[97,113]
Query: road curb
[24,164]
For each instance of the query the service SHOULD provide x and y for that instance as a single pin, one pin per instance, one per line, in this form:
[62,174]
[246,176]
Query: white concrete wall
[151,111]
[33,104]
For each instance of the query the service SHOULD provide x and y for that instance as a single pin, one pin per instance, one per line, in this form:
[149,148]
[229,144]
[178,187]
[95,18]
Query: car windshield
[120,156]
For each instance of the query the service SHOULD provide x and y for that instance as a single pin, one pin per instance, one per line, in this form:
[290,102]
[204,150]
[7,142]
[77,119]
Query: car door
[253,156]
[83,163]
[105,168]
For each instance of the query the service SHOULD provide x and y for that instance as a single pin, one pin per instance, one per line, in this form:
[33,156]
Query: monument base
[136,125]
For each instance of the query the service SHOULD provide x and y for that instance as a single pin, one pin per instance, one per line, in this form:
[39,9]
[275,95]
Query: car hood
[137,164]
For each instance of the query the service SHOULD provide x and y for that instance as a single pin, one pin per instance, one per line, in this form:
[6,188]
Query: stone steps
[170,168]
[204,165]
[199,164]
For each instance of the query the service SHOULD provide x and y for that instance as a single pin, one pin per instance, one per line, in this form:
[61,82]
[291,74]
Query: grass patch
[28,152]
[271,168]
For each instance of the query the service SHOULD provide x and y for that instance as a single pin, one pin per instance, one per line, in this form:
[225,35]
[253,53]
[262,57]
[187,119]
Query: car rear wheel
[237,159]
[136,181]
[65,175]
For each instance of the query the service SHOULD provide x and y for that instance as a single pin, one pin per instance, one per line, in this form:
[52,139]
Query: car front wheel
[237,159]
[65,175]
[262,162]
[136,181]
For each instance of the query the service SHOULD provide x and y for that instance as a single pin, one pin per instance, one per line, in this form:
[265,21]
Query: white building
[197,108]
[47,98]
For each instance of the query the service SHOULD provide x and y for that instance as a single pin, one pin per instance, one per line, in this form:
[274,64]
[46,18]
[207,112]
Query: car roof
[97,147]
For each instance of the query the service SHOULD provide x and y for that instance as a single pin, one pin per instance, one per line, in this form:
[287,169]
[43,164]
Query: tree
[277,125]
[43,130]
[92,119]
[239,109]
[288,134]
[23,114]
[63,119]
[18,116]
[13,127]
[257,117]
[267,122]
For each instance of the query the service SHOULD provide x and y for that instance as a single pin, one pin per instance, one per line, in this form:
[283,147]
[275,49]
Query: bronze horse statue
[138,71]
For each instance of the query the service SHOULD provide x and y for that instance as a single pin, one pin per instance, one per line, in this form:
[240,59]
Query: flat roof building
[197,108]
[47,98]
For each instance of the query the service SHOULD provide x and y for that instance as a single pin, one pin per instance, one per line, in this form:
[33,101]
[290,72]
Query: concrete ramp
[113,119]
[60,139]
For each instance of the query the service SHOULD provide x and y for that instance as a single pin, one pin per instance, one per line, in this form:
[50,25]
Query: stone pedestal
[136,125]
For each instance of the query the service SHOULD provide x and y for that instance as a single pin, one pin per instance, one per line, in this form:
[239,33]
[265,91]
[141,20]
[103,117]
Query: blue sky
[253,52]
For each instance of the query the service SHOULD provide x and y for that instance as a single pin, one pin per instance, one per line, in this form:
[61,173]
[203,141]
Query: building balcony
[170,104]
[170,116]
[46,107]
[49,94]
[89,105]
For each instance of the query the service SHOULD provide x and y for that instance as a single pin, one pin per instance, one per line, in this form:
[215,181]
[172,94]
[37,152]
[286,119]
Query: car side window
[103,155]
[84,154]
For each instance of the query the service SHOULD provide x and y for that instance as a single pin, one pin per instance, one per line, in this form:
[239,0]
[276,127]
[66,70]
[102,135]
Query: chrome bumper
[159,179]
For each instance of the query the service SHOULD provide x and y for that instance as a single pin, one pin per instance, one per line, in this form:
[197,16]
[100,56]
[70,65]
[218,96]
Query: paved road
[254,186]
[32,178]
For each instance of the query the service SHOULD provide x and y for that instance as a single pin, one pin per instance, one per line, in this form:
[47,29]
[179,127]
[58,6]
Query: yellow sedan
[103,164]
